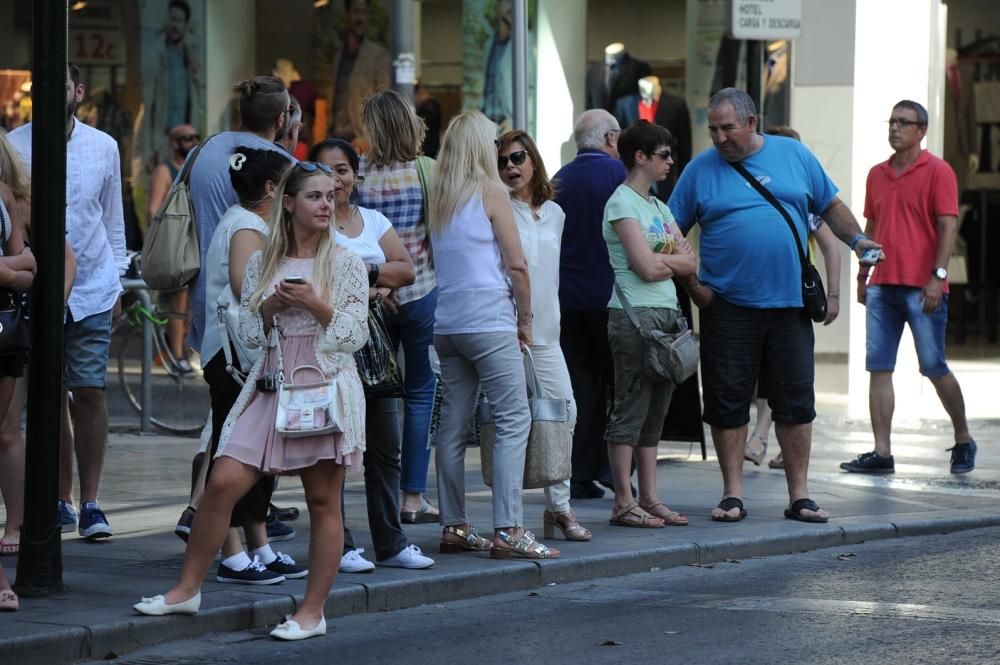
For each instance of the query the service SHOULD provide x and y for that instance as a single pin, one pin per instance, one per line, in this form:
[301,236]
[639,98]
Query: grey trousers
[493,361]
[382,471]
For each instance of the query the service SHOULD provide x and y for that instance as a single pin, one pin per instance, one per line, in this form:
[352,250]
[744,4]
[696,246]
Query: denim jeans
[888,308]
[413,328]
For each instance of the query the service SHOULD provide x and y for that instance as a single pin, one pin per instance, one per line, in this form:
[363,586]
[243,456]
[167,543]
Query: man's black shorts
[737,343]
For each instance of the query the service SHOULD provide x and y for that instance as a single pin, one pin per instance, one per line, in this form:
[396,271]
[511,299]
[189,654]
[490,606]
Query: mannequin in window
[652,103]
[617,77]
[961,149]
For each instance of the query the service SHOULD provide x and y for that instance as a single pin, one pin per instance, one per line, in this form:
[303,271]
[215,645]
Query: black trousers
[584,341]
[223,391]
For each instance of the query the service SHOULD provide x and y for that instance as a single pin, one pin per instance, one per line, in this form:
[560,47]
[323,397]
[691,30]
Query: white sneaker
[409,557]
[353,562]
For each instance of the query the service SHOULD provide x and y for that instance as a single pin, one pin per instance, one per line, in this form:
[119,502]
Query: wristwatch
[940,273]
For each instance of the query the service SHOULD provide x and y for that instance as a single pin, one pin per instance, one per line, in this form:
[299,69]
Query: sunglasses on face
[664,154]
[516,158]
[312,167]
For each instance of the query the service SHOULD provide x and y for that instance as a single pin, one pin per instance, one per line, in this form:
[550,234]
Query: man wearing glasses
[750,289]
[911,205]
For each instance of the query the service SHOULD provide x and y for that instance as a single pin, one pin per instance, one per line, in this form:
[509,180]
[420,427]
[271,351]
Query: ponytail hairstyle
[250,169]
[262,100]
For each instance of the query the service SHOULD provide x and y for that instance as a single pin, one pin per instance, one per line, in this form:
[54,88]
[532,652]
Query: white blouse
[541,239]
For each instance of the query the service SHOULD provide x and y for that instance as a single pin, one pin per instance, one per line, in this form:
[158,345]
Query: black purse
[377,364]
[15,314]
[813,295]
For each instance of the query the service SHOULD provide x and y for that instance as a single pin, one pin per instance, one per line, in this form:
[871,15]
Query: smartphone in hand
[871,256]
[295,279]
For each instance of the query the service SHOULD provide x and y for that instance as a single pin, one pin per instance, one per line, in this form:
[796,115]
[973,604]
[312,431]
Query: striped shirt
[395,191]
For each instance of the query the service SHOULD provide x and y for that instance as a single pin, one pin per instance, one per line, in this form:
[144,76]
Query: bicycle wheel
[180,401]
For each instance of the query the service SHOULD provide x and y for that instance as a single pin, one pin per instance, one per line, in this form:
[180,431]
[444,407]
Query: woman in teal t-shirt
[646,250]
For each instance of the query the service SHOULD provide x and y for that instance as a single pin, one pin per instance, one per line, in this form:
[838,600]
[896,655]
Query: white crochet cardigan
[335,346]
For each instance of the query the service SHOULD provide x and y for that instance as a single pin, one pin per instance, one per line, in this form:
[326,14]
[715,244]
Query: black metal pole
[39,566]
[755,72]
[401,41]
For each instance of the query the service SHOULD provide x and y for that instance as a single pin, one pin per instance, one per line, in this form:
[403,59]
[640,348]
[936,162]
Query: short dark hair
[181,5]
[916,107]
[262,99]
[642,136]
[74,73]
[336,144]
[257,167]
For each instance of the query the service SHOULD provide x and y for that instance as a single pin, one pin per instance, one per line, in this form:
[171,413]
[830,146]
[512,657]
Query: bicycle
[180,395]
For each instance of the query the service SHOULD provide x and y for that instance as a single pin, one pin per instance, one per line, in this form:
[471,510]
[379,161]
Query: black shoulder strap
[769,197]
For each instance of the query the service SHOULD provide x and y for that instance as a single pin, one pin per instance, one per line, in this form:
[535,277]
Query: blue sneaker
[963,457]
[93,523]
[67,517]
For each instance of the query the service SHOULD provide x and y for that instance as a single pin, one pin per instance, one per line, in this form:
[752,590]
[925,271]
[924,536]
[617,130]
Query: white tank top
[474,294]
[8,225]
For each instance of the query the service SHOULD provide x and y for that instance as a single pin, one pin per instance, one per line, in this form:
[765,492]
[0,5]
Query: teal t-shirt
[659,227]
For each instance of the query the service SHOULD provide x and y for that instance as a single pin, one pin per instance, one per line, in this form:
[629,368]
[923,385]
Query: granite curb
[120,635]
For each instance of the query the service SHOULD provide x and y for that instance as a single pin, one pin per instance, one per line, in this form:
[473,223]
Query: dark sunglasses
[663,154]
[187,138]
[312,167]
[516,158]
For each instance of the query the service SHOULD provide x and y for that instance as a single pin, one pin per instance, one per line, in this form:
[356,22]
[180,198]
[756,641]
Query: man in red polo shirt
[911,206]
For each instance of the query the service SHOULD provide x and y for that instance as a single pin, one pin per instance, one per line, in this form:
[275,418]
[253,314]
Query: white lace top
[334,345]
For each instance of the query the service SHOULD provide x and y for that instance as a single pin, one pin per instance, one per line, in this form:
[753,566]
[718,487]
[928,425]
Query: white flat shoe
[158,606]
[291,630]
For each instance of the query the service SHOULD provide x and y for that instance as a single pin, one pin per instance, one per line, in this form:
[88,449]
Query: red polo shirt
[904,208]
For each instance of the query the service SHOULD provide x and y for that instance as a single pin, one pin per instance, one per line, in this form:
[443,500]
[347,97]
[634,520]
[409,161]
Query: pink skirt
[254,441]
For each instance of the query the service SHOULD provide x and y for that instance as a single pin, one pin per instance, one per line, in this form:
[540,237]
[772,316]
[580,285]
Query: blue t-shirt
[746,249]
[583,188]
[212,195]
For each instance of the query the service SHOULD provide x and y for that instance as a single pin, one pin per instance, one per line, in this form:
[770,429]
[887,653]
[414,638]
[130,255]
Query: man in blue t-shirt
[583,187]
[750,289]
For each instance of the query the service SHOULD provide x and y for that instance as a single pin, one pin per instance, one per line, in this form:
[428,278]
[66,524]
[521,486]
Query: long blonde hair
[12,171]
[466,166]
[281,239]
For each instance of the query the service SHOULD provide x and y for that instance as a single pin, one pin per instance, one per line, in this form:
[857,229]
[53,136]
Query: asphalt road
[913,601]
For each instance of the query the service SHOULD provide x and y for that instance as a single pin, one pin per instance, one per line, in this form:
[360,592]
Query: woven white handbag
[548,457]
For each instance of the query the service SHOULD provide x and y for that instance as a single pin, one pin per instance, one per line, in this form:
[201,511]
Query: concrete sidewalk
[145,490]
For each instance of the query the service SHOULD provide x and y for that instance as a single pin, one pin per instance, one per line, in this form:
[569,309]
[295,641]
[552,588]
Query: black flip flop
[728,504]
[794,513]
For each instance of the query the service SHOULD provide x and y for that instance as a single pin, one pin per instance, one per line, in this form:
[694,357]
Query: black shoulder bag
[15,334]
[813,295]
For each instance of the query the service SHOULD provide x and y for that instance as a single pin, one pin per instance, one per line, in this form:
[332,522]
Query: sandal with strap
[567,523]
[669,517]
[795,511]
[728,504]
[777,463]
[750,454]
[471,541]
[8,601]
[9,549]
[525,547]
[635,517]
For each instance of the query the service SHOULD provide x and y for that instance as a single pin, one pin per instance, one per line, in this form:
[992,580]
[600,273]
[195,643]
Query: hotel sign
[765,19]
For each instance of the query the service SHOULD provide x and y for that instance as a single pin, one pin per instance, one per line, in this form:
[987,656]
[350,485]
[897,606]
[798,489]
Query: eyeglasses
[663,154]
[613,132]
[311,167]
[904,123]
[516,158]
[187,138]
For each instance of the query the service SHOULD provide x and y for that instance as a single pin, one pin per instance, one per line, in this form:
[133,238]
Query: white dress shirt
[541,239]
[95,225]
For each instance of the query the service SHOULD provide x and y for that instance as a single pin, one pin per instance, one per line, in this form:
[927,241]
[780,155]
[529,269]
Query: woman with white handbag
[540,223]
[478,332]
[302,407]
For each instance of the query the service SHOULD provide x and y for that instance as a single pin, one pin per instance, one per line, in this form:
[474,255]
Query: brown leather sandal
[669,517]
[634,516]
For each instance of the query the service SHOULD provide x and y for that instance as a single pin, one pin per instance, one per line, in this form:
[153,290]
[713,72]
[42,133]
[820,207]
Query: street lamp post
[39,566]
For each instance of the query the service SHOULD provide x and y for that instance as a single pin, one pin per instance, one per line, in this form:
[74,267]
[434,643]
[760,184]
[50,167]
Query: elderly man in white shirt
[95,228]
